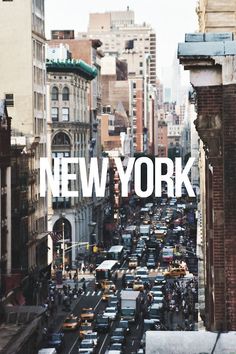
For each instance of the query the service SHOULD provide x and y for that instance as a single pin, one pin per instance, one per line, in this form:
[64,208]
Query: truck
[130,303]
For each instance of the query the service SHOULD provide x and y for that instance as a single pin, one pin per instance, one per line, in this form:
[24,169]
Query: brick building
[211,61]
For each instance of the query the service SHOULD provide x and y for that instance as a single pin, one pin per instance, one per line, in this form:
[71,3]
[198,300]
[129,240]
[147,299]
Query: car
[155,311]
[128,280]
[87,314]
[156,293]
[175,272]
[119,331]
[160,279]
[93,336]
[102,324]
[124,324]
[116,346]
[85,328]
[157,300]
[108,284]
[157,288]
[107,294]
[113,299]
[117,338]
[151,263]
[110,312]
[133,262]
[138,285]
[56,340]
[87,346]
[142,271]
[71,323]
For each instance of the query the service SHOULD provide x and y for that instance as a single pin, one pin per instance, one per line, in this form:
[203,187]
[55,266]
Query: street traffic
[146,281]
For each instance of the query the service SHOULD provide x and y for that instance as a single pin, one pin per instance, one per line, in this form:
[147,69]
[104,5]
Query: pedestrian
[84,286]
[70,275]
[83,269]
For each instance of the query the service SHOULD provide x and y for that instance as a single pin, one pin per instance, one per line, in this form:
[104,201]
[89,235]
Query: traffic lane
[72,338]
[134,337]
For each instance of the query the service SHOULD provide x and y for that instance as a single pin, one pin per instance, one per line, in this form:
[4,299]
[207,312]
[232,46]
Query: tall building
[121,36]
[212,76]
[22,84]
[5,198]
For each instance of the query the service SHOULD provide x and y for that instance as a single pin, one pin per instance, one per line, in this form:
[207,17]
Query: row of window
[65,114]
[65,94]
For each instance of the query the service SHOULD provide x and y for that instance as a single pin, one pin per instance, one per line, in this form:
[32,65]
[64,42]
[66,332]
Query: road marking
[73,345]
[137,327]
[93,293]
[102,344]
[132,342]
[97,304]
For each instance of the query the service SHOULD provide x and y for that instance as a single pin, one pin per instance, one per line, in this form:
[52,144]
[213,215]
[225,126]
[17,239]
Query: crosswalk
[96,293]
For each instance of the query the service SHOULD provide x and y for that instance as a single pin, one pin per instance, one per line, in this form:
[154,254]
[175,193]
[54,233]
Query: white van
[47,351]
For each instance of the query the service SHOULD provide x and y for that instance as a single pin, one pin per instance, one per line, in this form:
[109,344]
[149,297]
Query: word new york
[61,166]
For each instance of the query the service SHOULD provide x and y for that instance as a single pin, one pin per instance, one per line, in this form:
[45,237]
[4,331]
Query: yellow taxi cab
[108,285]
[71,323]
[138,285]
[85,328]
[107,294]
[87,314]
[175,272]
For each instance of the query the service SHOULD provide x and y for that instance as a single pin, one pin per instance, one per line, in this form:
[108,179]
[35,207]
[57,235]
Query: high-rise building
[22,84]
[121,36]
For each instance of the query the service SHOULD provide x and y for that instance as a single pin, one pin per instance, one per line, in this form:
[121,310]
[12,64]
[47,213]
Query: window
[54,114]
[54,94]
[65,94]
[65,114]
[9,97]
[61,139]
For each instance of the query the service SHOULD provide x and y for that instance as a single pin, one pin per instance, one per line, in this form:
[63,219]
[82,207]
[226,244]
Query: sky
[171,19]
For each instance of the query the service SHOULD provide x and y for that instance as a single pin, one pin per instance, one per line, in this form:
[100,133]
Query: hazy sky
[170,18]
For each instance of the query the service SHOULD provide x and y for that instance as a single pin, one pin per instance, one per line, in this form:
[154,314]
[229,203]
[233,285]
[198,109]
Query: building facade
[22,84]
[68,86]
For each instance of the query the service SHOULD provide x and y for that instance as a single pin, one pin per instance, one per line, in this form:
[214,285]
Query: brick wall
[217,128]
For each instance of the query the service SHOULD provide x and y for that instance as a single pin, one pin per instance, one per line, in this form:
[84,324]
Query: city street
[177,295]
